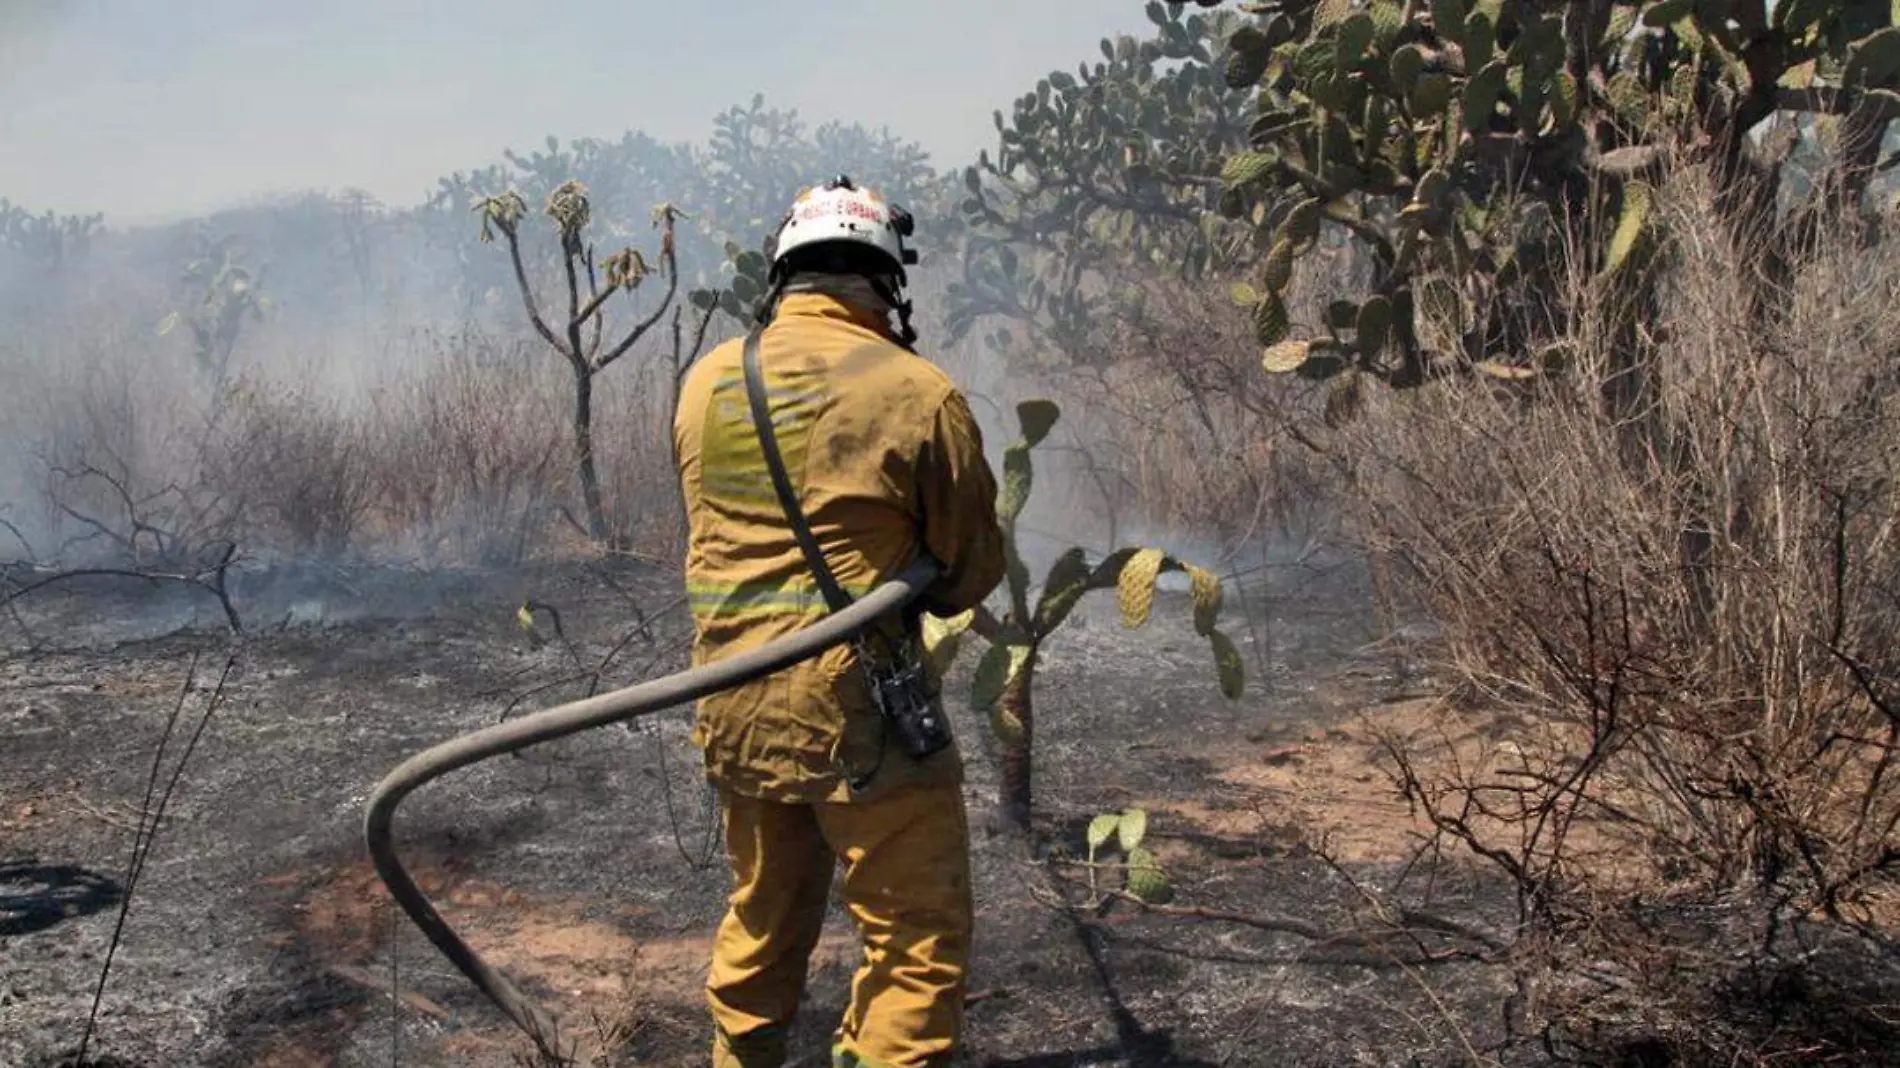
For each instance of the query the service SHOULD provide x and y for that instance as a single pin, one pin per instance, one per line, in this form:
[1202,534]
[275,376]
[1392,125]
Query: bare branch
[593,294]
[571,251]
[527,295]
[699,338]
[639,331]
[15,531]
[1836,102]
[589,310]
[212,579]
[133,506]
[531,606]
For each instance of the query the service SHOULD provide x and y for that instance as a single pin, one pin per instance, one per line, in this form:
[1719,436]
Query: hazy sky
[149,108]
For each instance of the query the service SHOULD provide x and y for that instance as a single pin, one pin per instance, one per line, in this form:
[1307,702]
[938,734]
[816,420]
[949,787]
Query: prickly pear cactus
[1451,137]
[743,291]
[942,638]
[1105,168]
[1131,572]
[1145,879]
[229,294]
[48,239]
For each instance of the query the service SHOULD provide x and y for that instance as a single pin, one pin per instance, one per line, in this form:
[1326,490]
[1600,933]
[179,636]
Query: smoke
[25,26]
[385,401]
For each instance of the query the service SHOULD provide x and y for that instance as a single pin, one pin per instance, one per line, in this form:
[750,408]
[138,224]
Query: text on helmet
[854,208]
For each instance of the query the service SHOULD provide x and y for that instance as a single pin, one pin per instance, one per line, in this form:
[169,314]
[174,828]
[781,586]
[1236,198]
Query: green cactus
[762,157]
[1448,137]
[1002,687]
[745,290]
[229,294]
[49,239]
[1108,168]
[1145,880]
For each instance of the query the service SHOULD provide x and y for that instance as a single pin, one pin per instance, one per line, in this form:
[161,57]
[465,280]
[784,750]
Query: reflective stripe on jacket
[887,459]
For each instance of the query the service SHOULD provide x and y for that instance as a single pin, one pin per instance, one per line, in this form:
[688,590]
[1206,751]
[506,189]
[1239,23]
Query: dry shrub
[1698,627]
[463,456]
[459,454]
[302,467]
[1183,431]
[473,451]
[120,452]
[633,437]
[477,455]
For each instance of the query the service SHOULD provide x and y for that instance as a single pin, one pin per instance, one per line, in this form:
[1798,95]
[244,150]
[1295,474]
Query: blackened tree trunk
[584,455]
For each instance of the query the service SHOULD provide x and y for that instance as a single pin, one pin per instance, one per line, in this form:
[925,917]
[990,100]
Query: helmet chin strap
[769,305]
[906,334]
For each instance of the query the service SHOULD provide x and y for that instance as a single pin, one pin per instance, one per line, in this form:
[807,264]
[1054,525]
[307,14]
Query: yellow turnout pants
[906,883]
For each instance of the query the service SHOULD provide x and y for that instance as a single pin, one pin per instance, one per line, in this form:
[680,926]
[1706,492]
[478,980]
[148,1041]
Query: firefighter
[885,461]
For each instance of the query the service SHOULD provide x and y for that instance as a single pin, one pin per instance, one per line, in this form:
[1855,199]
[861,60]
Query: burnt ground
[261,936]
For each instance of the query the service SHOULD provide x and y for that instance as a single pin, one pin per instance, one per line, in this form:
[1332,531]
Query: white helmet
[840,211]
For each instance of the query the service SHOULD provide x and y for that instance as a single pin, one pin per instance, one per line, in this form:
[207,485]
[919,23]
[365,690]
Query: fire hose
[641,699]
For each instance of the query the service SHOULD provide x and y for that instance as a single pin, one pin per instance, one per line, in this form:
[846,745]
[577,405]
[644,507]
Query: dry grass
[474,451]
[458,456]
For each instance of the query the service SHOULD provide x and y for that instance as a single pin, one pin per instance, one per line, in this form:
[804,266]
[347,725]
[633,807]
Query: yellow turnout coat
[887,460]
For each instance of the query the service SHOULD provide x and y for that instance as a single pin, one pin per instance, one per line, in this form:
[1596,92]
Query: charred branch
[213,579]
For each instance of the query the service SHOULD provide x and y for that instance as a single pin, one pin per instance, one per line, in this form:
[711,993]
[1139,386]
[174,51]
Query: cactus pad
[1629,225]
[1130,829]
[1247,169]
[1228,664]
[1270,319]
[999,667]
[1208,596]
[1135,586]
[1285,357]
[943,637]
[1068,580]
[1038,417]
[1146,880]
[1018,475]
